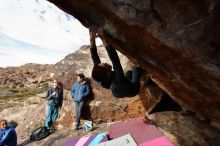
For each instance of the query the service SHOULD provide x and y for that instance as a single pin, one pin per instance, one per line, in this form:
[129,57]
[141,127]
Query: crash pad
[87,140]
[141,130]
[125,140]
[161,141]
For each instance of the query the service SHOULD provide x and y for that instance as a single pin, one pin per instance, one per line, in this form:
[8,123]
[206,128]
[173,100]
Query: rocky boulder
[183,129]
[177,42]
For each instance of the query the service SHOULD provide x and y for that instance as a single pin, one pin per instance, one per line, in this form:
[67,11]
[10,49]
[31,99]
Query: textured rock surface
[177,42]
[60,137]
[104,108]
[183,129]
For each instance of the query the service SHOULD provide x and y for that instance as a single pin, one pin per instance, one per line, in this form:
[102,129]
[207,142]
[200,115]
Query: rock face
[183,129]
[29,75]
[177,42]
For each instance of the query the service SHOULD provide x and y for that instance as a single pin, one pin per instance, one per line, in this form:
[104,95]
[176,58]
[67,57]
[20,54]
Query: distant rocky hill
[32,75]
[29,75]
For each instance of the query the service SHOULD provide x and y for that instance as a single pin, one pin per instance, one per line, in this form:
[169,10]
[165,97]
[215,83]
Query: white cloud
[28,21]
[39,23]
[14,53]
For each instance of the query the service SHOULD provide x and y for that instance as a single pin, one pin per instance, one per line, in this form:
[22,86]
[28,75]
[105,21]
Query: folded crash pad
[125,140]
[161,141]
[87,140]
[140,129]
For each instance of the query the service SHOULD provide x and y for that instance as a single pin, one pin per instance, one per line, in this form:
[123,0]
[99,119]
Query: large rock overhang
[176,42]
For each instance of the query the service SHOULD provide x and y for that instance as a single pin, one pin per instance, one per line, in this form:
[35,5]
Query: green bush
[23,90]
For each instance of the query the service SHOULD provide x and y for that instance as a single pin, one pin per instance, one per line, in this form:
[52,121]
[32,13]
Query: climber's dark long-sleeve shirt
[120,85]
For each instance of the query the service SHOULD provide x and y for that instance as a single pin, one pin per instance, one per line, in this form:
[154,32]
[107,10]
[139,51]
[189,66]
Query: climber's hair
[99,73]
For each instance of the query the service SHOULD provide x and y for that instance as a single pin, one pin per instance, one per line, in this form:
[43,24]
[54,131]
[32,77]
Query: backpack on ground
[87,126]
[39,133]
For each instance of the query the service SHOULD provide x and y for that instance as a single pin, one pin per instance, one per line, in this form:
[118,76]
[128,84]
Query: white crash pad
[125,140]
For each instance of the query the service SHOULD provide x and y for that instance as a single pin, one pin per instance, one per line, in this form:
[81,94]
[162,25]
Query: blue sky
[36,31]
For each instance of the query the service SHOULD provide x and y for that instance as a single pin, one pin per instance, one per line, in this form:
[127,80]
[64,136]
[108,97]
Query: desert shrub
[23,90]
